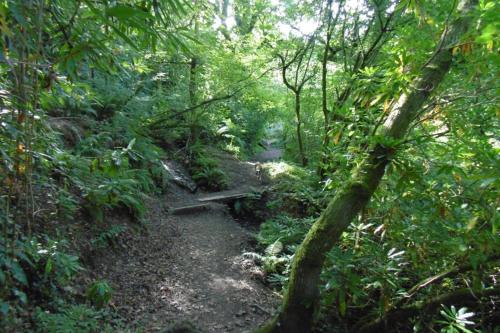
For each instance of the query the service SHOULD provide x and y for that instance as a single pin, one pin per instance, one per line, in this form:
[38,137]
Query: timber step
[189,209]
[218,197]
[227,196]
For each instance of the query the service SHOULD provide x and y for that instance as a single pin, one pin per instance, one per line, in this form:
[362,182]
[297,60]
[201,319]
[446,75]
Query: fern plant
[112,193]
[205,170]
[76,318]
[109,237]
[211,178]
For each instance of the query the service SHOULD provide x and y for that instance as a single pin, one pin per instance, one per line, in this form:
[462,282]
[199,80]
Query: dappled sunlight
[223,283]
[203,161]
[175,294]
[276,170]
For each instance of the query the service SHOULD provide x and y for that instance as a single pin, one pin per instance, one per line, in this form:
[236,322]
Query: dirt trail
[190,267]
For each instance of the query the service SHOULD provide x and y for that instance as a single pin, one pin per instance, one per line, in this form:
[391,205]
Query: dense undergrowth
[94,162]
[432,242]
[84,169]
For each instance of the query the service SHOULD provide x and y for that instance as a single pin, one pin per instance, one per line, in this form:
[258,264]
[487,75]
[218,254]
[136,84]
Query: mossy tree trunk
[301,301]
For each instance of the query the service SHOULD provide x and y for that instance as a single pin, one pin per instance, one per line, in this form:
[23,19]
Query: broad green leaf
[124,12]
[18,272]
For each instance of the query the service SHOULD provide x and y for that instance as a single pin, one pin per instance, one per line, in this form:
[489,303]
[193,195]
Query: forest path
[191,267]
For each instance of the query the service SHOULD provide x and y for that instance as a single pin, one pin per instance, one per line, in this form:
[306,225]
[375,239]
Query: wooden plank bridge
[217,197]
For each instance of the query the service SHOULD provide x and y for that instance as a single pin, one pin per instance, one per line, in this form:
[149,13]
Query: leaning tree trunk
[301,301]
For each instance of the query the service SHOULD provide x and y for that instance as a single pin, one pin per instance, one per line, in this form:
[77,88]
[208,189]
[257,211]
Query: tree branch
[202,104]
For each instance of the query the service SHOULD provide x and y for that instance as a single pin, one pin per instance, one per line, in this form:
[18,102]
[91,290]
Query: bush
[99,293]
[75,318]
[33,267]
[211,178]
[296,189]
[280,236]
[205,170]
[286,229]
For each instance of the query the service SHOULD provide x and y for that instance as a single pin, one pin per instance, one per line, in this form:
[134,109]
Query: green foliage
[69,318]
[76,318]
[111,178]
[99,293]
[205,170]
[67,205]
[456,321]
[113,193]
[33,266]
[297,188]
[181,327]
[280,236]
[104,182]
[210,178]
[289,231]
[109,237]
[85,112]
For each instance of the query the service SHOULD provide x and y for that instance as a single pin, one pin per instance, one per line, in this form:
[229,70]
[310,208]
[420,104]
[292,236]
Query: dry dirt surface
[190,267]
[270,154]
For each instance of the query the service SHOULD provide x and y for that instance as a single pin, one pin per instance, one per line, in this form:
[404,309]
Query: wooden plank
[189,209]
[230,195]
[224,197]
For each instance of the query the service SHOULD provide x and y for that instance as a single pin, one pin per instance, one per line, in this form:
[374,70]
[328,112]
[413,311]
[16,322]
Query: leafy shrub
[110,97]
[205,170]
[107,181]
[283,228]
[113,193]
[70,99]
[33,267]
[73,318]
[456,321]
[67,205]
[211,178]
[99,293]
[109,237]
[281,235]
[296,189]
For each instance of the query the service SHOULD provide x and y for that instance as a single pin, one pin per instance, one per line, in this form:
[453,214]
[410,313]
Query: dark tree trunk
[303,157]
[324,101]
[193,87]
[301,300]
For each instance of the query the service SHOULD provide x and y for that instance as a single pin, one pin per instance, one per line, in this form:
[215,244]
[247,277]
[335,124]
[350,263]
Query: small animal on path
[258,171]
